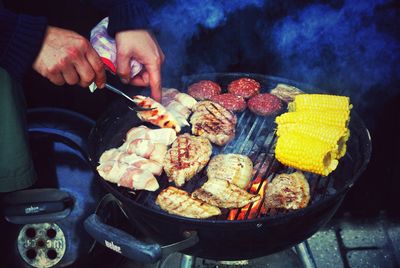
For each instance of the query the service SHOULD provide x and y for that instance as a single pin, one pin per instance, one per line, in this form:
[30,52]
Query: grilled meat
[286,93]
[234,168]
[125,175]
[172,94]
[146,149]
[159,135]
[187,156]
[222,193]
[214,122]
[288,191]
[133,160]
[179,202]
[159,116]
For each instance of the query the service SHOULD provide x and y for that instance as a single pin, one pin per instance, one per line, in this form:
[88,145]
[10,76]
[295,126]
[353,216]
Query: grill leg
[305,255]
[187,261]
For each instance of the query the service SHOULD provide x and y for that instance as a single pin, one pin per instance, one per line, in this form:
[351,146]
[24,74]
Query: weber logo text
[111,245]
[31,210]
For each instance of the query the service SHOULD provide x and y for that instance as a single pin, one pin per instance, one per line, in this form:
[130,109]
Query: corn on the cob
[336,137]
[326,117]
[305,102]
[305,153]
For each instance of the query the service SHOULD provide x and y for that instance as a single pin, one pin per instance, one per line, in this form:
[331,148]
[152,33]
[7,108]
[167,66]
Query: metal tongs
[120,92]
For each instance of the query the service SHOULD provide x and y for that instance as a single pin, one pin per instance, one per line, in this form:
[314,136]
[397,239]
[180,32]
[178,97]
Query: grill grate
[255,137]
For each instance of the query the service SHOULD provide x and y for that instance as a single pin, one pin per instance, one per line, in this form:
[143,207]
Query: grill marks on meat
[213,122]
[222,193]
[288,191]
[234,168]
[186,157]
[179,202]
[159,116]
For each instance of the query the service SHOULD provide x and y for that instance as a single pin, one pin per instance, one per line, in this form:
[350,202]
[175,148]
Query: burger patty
[245,87]
[204,90]
[231,102]
[265,104]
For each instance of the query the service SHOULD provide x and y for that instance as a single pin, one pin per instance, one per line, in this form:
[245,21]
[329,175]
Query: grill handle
[122,242]
[127,245]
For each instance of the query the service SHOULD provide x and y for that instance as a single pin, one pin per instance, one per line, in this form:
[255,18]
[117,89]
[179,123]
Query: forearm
[21,37]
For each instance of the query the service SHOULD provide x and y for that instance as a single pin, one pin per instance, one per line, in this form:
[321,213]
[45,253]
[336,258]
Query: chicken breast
[186,157]
[179,202]
[288,191]
[132,160]
[172,94]
[160,135]
[159,116]
[235,168]
[214,122]
[146,149]
[222,193]
[125,175]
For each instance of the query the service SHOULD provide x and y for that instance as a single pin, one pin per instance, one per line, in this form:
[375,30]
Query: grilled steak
[187,156]
[214,122]
[179,202]
[222,193]
[288,191]
[234,168]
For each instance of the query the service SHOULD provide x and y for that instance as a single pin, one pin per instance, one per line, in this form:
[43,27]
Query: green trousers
[16,165]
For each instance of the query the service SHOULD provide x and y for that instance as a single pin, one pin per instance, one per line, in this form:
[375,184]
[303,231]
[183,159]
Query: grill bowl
[222,239]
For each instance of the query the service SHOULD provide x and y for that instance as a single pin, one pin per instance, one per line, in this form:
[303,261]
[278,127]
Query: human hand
[143,47]
[67,57]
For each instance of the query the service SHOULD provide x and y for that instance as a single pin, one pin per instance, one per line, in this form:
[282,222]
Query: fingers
[70,75]
[154,81]
[97,66]
[140,80]
[56,78]
[123,67]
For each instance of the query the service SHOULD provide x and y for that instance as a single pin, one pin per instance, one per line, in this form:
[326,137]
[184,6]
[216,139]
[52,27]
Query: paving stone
[324,248]
[370,258]
[362,233]
[394,234]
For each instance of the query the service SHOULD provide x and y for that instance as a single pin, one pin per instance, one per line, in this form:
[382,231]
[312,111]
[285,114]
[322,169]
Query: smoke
[349,47]
[178,23]
[344,49]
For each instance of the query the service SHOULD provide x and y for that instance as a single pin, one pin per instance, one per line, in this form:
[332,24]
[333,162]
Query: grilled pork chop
[214,122]
[222,193]
[186,157]
[178,202]
[235,168]
[288,191]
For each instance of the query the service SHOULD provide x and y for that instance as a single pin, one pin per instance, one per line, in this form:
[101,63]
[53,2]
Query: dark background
[343,47]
